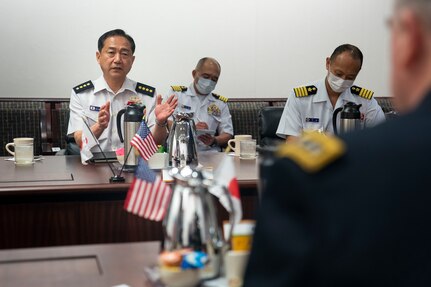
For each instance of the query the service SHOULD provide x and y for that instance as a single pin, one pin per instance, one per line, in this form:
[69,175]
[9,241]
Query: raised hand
[164,110]
[104,115]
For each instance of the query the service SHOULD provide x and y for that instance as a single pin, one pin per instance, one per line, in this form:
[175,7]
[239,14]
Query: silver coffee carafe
[191,220]
[350,118]
[133,115]
[182,146]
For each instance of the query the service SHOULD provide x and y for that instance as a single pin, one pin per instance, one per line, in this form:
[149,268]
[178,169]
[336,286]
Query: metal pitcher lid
[183,116]
[190,176]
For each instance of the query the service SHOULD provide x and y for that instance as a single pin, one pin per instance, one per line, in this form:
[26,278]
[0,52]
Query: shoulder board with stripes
[313,151]
[363,93]
[221,98]
[145,89]
[305,91]
[84,86]
[179,88]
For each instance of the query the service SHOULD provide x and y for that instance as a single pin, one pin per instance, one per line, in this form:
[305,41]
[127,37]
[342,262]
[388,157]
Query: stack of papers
[204,132]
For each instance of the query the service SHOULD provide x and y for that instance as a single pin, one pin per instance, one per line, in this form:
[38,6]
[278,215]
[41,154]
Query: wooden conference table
[58,201]
[83,265]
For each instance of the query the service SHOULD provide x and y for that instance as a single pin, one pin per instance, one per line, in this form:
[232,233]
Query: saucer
[248,158]
[35,159]
[25,164]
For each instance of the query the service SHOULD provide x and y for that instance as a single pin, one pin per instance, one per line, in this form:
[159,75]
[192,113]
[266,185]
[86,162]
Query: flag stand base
[116,179]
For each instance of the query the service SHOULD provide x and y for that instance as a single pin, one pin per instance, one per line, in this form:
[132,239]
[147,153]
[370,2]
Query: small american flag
[144,142]
[148,195]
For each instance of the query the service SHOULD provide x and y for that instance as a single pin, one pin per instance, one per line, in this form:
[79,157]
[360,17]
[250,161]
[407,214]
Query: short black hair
[353,50]
[112,33]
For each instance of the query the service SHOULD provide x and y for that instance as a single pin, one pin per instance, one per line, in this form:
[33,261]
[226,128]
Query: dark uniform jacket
[363,220]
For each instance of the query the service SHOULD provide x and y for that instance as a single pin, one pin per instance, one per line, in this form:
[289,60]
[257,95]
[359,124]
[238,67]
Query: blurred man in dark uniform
[356,211]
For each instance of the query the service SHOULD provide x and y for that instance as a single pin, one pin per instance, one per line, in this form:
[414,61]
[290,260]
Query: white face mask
[205,86]
[337,84]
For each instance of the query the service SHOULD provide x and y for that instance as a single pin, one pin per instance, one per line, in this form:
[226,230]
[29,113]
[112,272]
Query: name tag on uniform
[186,107]
[94,108]
[312,120]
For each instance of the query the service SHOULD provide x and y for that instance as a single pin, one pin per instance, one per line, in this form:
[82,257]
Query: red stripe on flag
[129,196]
[167,193]
[148,200]
[161,194]
[138,197]
[146,147]
[152,206]
[145,191]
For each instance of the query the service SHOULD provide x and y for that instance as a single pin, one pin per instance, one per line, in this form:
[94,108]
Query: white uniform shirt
[214,112]
[314,112]
[88,102]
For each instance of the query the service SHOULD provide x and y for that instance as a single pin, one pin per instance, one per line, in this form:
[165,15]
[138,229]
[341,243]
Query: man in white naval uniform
[210,110]
[99,101]
[311,107]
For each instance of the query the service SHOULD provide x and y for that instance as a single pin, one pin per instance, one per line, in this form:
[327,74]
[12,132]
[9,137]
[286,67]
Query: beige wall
[265,46]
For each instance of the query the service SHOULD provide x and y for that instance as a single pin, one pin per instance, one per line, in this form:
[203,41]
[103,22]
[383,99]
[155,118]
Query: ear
[411,39]
[194,73]
[133,59]
[98,57]
[328,61]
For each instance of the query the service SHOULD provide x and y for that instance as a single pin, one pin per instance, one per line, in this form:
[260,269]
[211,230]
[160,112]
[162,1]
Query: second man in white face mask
[211,112]
[311,107]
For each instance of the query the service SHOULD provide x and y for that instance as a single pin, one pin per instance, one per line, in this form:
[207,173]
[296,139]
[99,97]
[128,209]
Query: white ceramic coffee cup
[23,150]
[247,149]
[235,264]
[237,139]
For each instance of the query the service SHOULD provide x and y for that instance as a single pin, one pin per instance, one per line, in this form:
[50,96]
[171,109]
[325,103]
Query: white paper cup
[23,150]
[235,264]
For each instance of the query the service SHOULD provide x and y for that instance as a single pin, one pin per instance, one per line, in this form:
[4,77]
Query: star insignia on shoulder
[83,87]
[145,89]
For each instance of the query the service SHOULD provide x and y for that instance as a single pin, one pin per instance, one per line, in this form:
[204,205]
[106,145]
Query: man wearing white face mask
[210,110]
[311,107]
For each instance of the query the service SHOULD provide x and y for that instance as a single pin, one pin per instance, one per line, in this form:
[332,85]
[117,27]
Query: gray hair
[202,61]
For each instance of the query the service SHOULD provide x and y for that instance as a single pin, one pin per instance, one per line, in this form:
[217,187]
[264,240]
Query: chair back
[269,117]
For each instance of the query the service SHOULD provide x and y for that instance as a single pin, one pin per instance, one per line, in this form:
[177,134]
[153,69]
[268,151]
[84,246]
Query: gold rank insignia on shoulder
[221,98]
[145,89]
[313,151]
[83,87]
[181,89]
[363,93]
[305,91]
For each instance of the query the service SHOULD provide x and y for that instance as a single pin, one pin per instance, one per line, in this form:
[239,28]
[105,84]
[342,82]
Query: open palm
[165,110]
